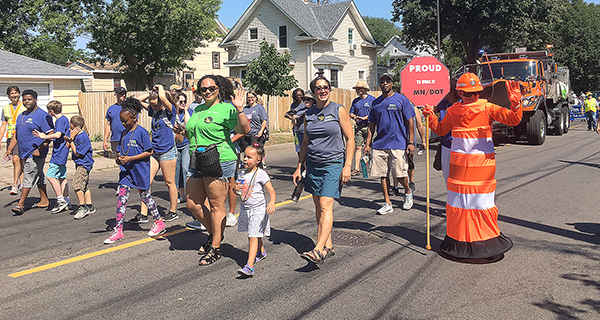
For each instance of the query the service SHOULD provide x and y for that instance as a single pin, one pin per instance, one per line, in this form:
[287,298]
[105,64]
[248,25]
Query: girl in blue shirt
[134,150]
[164,120]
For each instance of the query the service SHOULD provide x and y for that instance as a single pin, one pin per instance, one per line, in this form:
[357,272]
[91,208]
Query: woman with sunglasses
[183,146]
[472,230]
[211,123]
[328,162]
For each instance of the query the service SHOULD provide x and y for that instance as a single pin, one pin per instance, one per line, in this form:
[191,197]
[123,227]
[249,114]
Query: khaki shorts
[360,135]
[81,179]
[389,163]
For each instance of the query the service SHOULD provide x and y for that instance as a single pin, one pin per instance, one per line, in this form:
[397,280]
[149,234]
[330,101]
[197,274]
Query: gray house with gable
[332,40]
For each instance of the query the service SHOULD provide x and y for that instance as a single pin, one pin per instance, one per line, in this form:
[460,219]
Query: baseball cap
[120,90]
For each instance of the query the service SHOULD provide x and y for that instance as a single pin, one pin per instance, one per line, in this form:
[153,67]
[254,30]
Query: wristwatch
[240,112]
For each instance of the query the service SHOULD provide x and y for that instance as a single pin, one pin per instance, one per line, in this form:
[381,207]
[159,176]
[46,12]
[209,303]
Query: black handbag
[207,162]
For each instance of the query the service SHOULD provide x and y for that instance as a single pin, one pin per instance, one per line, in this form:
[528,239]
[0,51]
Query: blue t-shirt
[389,115]
[38,120]
[113,115]
[442,107]
[181,117]
[362,107]
[256,115]
[300,111]
[135,174]
[83,145]
[163,138]
[60,152]
[325,141]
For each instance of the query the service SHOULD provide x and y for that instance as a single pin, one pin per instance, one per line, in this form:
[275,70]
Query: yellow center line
[117,248]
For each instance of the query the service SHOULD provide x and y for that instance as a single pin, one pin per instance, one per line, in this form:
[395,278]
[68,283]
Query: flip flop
[17,211]
[40,207]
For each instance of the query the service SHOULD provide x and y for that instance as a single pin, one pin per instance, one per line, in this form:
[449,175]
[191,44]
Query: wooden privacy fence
[93,106]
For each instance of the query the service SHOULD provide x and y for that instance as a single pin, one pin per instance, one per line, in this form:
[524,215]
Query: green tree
[576,45]
[382,29]
[499,25]
[44,29]
[270,73]
[151,37]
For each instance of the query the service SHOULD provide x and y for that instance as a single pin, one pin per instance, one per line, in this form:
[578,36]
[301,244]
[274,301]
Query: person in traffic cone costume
[472,230]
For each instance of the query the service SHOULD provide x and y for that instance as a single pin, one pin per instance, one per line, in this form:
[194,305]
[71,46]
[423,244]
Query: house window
[361,74]
[116,82]
[334,78]
[216,59]
[350,36]
[253,33]
[187,77]
[395,50]
[243,73]
[283,37]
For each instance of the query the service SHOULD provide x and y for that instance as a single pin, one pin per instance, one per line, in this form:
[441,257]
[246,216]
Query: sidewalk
[102,163]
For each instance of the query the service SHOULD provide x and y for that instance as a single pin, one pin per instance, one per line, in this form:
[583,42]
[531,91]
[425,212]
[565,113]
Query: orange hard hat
[469,82]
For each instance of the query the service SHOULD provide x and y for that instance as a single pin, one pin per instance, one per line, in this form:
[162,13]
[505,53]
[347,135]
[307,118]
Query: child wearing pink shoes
[134,151]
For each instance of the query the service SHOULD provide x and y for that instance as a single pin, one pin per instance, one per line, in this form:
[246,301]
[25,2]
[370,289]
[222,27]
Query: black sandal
[213,255]
[315,256]
[329,252]
[17,211]
[204,248]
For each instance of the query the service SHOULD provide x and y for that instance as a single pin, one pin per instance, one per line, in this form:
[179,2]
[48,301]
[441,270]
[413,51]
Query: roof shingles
[12,64]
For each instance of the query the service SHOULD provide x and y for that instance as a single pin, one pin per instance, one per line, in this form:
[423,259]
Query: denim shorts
[57,171]
[228,168]
[323,178]
[166,156]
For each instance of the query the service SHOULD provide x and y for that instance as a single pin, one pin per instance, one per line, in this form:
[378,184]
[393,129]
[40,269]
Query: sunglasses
[385,81]
[210,89]
[181,102]
[322,88]
[469,94]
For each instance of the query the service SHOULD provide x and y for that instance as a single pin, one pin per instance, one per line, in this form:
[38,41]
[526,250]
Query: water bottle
[5,159]
[299,188]
[364,166]
[241,181]
[201,149]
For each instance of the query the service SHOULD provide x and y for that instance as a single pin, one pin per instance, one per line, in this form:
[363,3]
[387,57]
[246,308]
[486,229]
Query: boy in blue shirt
[80,144]
[57,169]
[32,150]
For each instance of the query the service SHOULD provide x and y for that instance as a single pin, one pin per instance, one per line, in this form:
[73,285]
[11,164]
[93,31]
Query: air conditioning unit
[353,47]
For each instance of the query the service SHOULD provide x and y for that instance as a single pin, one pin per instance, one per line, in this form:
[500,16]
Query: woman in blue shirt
[328,163]
[164,157]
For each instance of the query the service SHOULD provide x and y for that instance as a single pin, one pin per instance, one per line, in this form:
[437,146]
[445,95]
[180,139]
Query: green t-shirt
[209,125]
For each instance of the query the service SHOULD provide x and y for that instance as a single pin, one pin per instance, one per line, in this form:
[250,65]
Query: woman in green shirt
[211,123]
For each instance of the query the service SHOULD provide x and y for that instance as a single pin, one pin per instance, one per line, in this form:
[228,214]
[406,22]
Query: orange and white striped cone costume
[472,217]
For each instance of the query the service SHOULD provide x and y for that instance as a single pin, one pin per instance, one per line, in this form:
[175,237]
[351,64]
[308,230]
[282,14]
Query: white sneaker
[385,209]
[408,201]
[231,220]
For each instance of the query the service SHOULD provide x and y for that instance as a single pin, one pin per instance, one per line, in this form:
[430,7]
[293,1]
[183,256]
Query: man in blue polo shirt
[114,127]
[392,117]
[32,150]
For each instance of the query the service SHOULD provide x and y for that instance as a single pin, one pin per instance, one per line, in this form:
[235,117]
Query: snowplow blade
[495,92]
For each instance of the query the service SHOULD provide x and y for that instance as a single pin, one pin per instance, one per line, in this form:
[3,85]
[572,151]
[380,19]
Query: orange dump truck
[545,88]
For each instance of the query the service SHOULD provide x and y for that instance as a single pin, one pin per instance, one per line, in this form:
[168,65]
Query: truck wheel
[536,128]
[559,124]
[567,120]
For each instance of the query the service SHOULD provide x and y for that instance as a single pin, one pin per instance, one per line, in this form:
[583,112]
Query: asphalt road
[53,267]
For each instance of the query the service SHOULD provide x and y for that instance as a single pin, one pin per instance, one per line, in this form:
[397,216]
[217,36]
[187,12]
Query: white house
[330,39]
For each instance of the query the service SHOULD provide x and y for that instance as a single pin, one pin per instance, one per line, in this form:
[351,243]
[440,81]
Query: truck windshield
[517,70]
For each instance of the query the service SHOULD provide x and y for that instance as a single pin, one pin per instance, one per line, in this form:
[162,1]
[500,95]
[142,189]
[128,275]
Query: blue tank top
[325,141]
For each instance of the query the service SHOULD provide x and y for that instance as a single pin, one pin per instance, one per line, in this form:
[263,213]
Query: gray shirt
[325,141]
[256,115]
